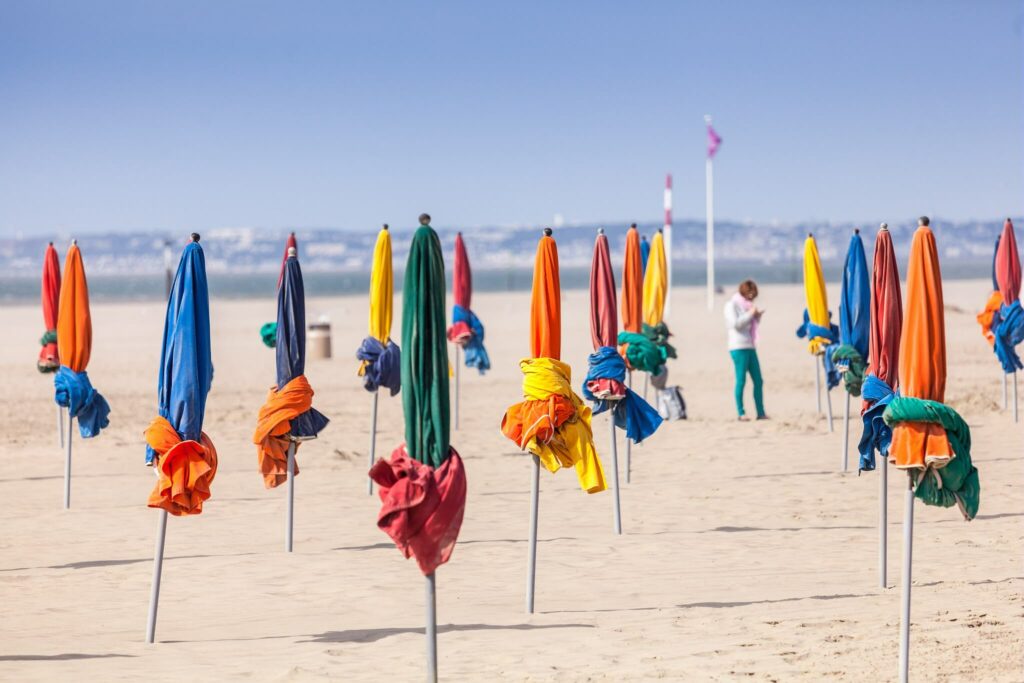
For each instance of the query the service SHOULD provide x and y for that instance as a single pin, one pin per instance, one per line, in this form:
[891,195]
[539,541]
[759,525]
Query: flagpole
[67,464]
[908,548]
[373,441]
[666,233]
[431,630]
[710,229]
[158,565]
[615,471]
[531,572]
[291,496]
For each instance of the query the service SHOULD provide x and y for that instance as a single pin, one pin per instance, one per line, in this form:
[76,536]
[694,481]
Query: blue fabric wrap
[877,435]
[632,413]
[291,344]
[383,365]
[1009,333]
[809,330]
[186,365]
[855,299]
[85,404]
[645,254]
[474,351]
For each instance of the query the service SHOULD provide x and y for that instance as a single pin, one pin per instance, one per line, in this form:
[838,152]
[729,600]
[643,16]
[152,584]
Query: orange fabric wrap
[546,303]
[185,469]
[273,426]
[74,324]
[986,316]
[540,419]
[922,356]
[632,284]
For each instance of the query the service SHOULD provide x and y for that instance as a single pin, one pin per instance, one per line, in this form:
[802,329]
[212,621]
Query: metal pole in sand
[67,464]
[531,571]
[846,435]
[1015,396]
[457,381]
[615,472]
[431,630]
[373,441]
[629,444]
[291,496]
[60,426]
[883,521]
[828,403]
[908,548]
[158,565]
[817,382]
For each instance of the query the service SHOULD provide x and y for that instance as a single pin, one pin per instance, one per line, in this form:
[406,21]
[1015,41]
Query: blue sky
[126,115]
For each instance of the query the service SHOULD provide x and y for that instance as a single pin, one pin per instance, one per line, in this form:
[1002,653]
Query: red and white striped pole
[667,237]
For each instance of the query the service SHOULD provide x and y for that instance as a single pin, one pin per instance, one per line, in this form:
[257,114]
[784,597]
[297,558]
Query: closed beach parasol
[48,360]
[552,422]
[883,379]
[645,253]
[288,416]
[817,326]
[74,391]
[1010,330]
[467,332]
[632,283]
[380,359]
[268,332]
[989,316]
[605,384]
[423,484]
[930,440]
[181,453]
[851,356]
[655,290]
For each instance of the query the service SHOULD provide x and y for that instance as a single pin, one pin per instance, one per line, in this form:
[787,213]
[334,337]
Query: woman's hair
[748,289]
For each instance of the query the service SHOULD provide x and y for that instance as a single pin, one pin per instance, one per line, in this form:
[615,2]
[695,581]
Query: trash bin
[318,341]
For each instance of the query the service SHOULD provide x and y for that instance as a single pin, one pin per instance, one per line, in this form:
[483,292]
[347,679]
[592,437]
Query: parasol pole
[373,441]
[817,382]
[67,465]
[629,444]
[431,630]
[1005,393]
[158,565]
[291,495]
[457,377]
[1014,396]
[908,547]
[646,377]
[828,404]
[615,470]
[168,272]
[846,435]
[883,521]
[531,571]
[709,200]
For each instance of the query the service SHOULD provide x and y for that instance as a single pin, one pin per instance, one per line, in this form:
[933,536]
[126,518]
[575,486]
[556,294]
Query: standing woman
[741,320]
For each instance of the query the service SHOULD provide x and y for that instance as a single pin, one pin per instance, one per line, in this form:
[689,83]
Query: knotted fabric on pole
[641,353]
[632,284]
[176,445]
[928,436]
[48,360]
[380,358]
[467,331]
[886,322]
[422,486]
[817,325]
[1009,330]
[73,390]
[851,357]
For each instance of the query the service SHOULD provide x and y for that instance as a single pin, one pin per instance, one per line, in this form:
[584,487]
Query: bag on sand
[671,405]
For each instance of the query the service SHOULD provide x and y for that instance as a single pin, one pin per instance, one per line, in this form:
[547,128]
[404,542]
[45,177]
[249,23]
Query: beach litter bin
[318,341]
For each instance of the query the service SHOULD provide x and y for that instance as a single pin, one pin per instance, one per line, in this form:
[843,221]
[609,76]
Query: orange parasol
[632,283]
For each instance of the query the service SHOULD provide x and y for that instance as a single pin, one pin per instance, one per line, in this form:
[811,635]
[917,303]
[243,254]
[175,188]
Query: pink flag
[713,141]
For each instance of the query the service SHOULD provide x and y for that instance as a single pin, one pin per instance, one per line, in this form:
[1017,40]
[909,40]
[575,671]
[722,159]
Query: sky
[192,115]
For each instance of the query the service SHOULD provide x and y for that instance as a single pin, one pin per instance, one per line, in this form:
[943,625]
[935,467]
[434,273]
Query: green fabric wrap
[659,334]
[425,351]
[642,353]
[49,337]
[846,356]
[957,483]
[269,334]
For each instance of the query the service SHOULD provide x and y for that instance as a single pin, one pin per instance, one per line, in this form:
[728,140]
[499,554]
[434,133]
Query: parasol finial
[810,235]
[74,243]
[600,231]
[292,253]
[547,232]
[923,221]
[884,226]
[633,225]
[424,219]
[856,231]
[51,244]
[384,227]
[195,237]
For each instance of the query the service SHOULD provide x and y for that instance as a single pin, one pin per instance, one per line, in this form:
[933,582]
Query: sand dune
[746,554]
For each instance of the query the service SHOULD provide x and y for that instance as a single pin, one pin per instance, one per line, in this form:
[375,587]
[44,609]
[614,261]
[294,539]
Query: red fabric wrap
[421,508]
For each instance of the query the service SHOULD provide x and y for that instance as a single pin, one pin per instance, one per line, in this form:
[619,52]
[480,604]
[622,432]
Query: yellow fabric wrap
[382,294]
[817,299]
[655,282]
[571,442]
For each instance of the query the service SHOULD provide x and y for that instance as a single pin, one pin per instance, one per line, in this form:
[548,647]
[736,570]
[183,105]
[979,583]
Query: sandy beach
[746,555]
